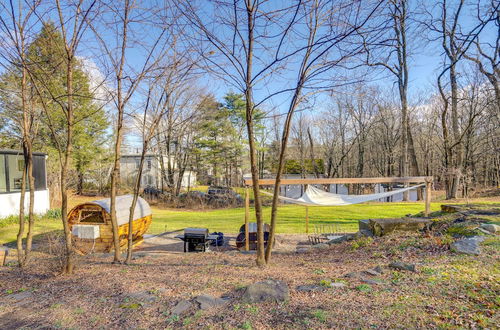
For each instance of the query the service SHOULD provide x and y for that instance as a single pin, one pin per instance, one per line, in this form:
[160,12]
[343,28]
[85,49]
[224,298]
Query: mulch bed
[447,289]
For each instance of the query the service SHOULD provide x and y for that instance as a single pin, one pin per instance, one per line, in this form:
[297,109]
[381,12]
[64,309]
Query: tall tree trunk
[457,149]
[115,175]
[137,187]
[31,205]
[414,162]
[65,166]
[249,107]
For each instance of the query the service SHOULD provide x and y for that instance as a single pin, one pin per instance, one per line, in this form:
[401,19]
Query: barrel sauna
[90,223]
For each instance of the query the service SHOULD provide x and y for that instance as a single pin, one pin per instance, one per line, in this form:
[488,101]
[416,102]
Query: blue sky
[425,61]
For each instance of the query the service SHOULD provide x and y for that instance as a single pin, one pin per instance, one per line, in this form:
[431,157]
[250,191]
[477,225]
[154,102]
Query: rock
[378,269]
[302,249]
[182,307]
[370,281]
[402,266]
[492,209]
[341,239]
[143,296]
[208,301]
[372,272]
[381,227]
[451,208]
[248,252]
[468,245]
[352,275]
[364,225]
[491,228]
[366,233]
[337,285]
[321,246]
[266,290]
[17,299]
[484,231]
[4,252]
[311,288]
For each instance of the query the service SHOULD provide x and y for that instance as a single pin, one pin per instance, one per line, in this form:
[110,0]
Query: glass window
[39,172]
[3,176]
[16,167]
[91,216]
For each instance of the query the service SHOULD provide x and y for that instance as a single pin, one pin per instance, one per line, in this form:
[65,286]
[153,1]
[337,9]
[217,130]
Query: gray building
[151,173]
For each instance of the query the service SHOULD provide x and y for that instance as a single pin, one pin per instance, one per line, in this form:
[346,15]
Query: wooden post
[307,220]
[247,216]
[428,187]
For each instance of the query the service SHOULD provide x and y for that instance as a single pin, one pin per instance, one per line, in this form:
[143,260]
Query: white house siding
[9,203]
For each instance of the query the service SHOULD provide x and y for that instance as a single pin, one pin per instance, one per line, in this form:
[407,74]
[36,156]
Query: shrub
[364,288]
[361,242]
[53,214]
[319,315]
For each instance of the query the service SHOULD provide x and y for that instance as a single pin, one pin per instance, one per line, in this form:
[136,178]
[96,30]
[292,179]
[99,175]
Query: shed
[90,223]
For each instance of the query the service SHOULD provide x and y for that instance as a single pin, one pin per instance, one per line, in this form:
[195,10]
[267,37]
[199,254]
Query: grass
[291,218]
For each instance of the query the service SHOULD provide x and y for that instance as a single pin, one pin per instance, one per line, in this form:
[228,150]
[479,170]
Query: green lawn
[291,218]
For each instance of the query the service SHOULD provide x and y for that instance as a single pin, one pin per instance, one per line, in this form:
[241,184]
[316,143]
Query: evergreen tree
[47,64]
[218,141]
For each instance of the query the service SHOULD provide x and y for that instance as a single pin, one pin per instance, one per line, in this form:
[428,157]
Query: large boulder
[491,228]
[182,307]
[207,301]
[402,266]
[266,290]
[468,245]
[381,227]
[311,288]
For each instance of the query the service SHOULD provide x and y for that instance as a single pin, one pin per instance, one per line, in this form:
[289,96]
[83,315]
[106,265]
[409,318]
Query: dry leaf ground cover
[448,290]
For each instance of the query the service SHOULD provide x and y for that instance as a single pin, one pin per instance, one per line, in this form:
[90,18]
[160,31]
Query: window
[15,164]
[149,164]
[11,172]
[3,175]
[39,172]
[91,216]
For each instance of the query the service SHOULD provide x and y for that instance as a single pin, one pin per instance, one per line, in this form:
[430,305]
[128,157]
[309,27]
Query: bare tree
[395,61]
[329,28]
[455,42]
[228,42]
[16,27]
[73,21]
[118,31]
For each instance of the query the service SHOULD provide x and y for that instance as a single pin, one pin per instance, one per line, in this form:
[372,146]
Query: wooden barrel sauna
[90,223]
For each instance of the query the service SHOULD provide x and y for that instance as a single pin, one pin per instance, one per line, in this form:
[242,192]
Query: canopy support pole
[307,220]
[247,216]
[428,186]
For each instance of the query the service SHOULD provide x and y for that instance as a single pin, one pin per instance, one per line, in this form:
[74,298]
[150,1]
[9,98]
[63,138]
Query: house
[11,172]
[151,173]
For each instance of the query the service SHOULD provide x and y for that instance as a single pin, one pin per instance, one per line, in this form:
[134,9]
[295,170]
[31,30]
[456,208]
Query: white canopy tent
[317,197]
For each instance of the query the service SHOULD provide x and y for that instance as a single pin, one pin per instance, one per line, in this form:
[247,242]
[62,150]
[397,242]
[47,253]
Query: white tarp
[123,204]
[314,196]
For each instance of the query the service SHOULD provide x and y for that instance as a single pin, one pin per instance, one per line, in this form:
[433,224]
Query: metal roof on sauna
[123,204]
